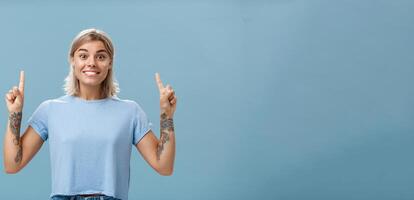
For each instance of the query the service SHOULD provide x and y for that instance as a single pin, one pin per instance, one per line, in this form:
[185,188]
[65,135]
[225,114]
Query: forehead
[92,46]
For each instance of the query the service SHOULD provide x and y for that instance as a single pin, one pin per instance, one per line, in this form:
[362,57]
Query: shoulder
[126,102]
[129,104]
[46,104]
[59,100]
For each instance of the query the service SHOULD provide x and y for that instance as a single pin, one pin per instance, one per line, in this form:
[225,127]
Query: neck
[90,93]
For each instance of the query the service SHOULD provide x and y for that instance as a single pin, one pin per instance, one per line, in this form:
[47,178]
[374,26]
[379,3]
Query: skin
[91,64]
[160,154]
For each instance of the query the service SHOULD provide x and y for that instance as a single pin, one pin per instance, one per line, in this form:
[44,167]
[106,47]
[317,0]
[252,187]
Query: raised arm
[18,151]
[160,154]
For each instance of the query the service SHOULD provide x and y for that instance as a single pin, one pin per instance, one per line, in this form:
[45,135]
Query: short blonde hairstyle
[109,87]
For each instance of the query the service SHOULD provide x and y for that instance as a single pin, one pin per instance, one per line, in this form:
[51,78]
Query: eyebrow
[99,51]
[102,50]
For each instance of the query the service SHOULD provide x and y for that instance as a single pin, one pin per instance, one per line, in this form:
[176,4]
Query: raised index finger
[21,82]
[159,82]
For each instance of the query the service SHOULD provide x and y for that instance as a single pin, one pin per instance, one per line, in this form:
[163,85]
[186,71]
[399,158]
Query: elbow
[167,172]
[11,170]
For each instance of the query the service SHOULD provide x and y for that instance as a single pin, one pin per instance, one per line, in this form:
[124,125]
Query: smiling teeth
[90,73]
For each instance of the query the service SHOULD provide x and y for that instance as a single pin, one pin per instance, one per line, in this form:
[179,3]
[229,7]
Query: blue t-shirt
[90,143]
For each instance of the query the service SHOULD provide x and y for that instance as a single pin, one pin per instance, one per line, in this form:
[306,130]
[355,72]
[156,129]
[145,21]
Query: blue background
[288,99]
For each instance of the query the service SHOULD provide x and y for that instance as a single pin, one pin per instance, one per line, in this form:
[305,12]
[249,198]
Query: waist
[91,195]
[83,197]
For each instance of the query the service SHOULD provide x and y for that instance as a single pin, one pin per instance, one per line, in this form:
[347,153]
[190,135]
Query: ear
[72,62]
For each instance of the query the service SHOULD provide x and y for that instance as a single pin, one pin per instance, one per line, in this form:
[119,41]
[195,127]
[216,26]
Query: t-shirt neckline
[76,98]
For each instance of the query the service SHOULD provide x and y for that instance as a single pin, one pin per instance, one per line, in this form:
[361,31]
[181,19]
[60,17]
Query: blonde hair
[109,87]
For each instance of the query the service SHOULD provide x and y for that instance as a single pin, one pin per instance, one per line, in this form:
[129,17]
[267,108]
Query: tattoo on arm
[15,119]
[19,154]
[167,125]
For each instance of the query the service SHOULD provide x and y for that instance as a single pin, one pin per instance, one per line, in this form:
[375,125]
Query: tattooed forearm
[167,125]
[164,138]
[19,154]
[15,122]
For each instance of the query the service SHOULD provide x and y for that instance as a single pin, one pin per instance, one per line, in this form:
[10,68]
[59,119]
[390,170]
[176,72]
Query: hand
[168,100]
[14,98]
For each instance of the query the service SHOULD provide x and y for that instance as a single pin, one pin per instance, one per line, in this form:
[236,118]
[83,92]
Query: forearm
[12,147]
[166,144]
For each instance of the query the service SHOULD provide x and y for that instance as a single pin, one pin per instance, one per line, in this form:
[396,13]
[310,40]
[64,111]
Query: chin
[90,83]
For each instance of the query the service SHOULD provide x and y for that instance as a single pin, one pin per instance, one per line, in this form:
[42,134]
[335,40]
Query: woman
[90,130]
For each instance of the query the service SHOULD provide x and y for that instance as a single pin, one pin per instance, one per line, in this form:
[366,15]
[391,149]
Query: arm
[160,154]
[18,151]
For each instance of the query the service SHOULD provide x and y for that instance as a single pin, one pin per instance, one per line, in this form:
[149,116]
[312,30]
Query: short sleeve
[38,120]
[141,124]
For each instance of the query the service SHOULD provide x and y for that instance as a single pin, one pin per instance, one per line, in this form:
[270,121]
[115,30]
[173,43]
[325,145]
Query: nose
[90,62]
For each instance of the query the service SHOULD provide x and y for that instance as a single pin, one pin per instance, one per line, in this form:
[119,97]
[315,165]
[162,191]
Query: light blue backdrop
[288,99]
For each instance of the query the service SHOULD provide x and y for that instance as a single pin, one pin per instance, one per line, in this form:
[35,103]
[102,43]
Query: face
[91,63]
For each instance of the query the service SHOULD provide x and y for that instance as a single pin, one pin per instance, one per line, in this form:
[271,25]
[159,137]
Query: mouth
[90,72]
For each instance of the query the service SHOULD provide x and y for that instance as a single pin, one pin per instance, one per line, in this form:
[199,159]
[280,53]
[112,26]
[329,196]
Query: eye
[101,57]
[83,56]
